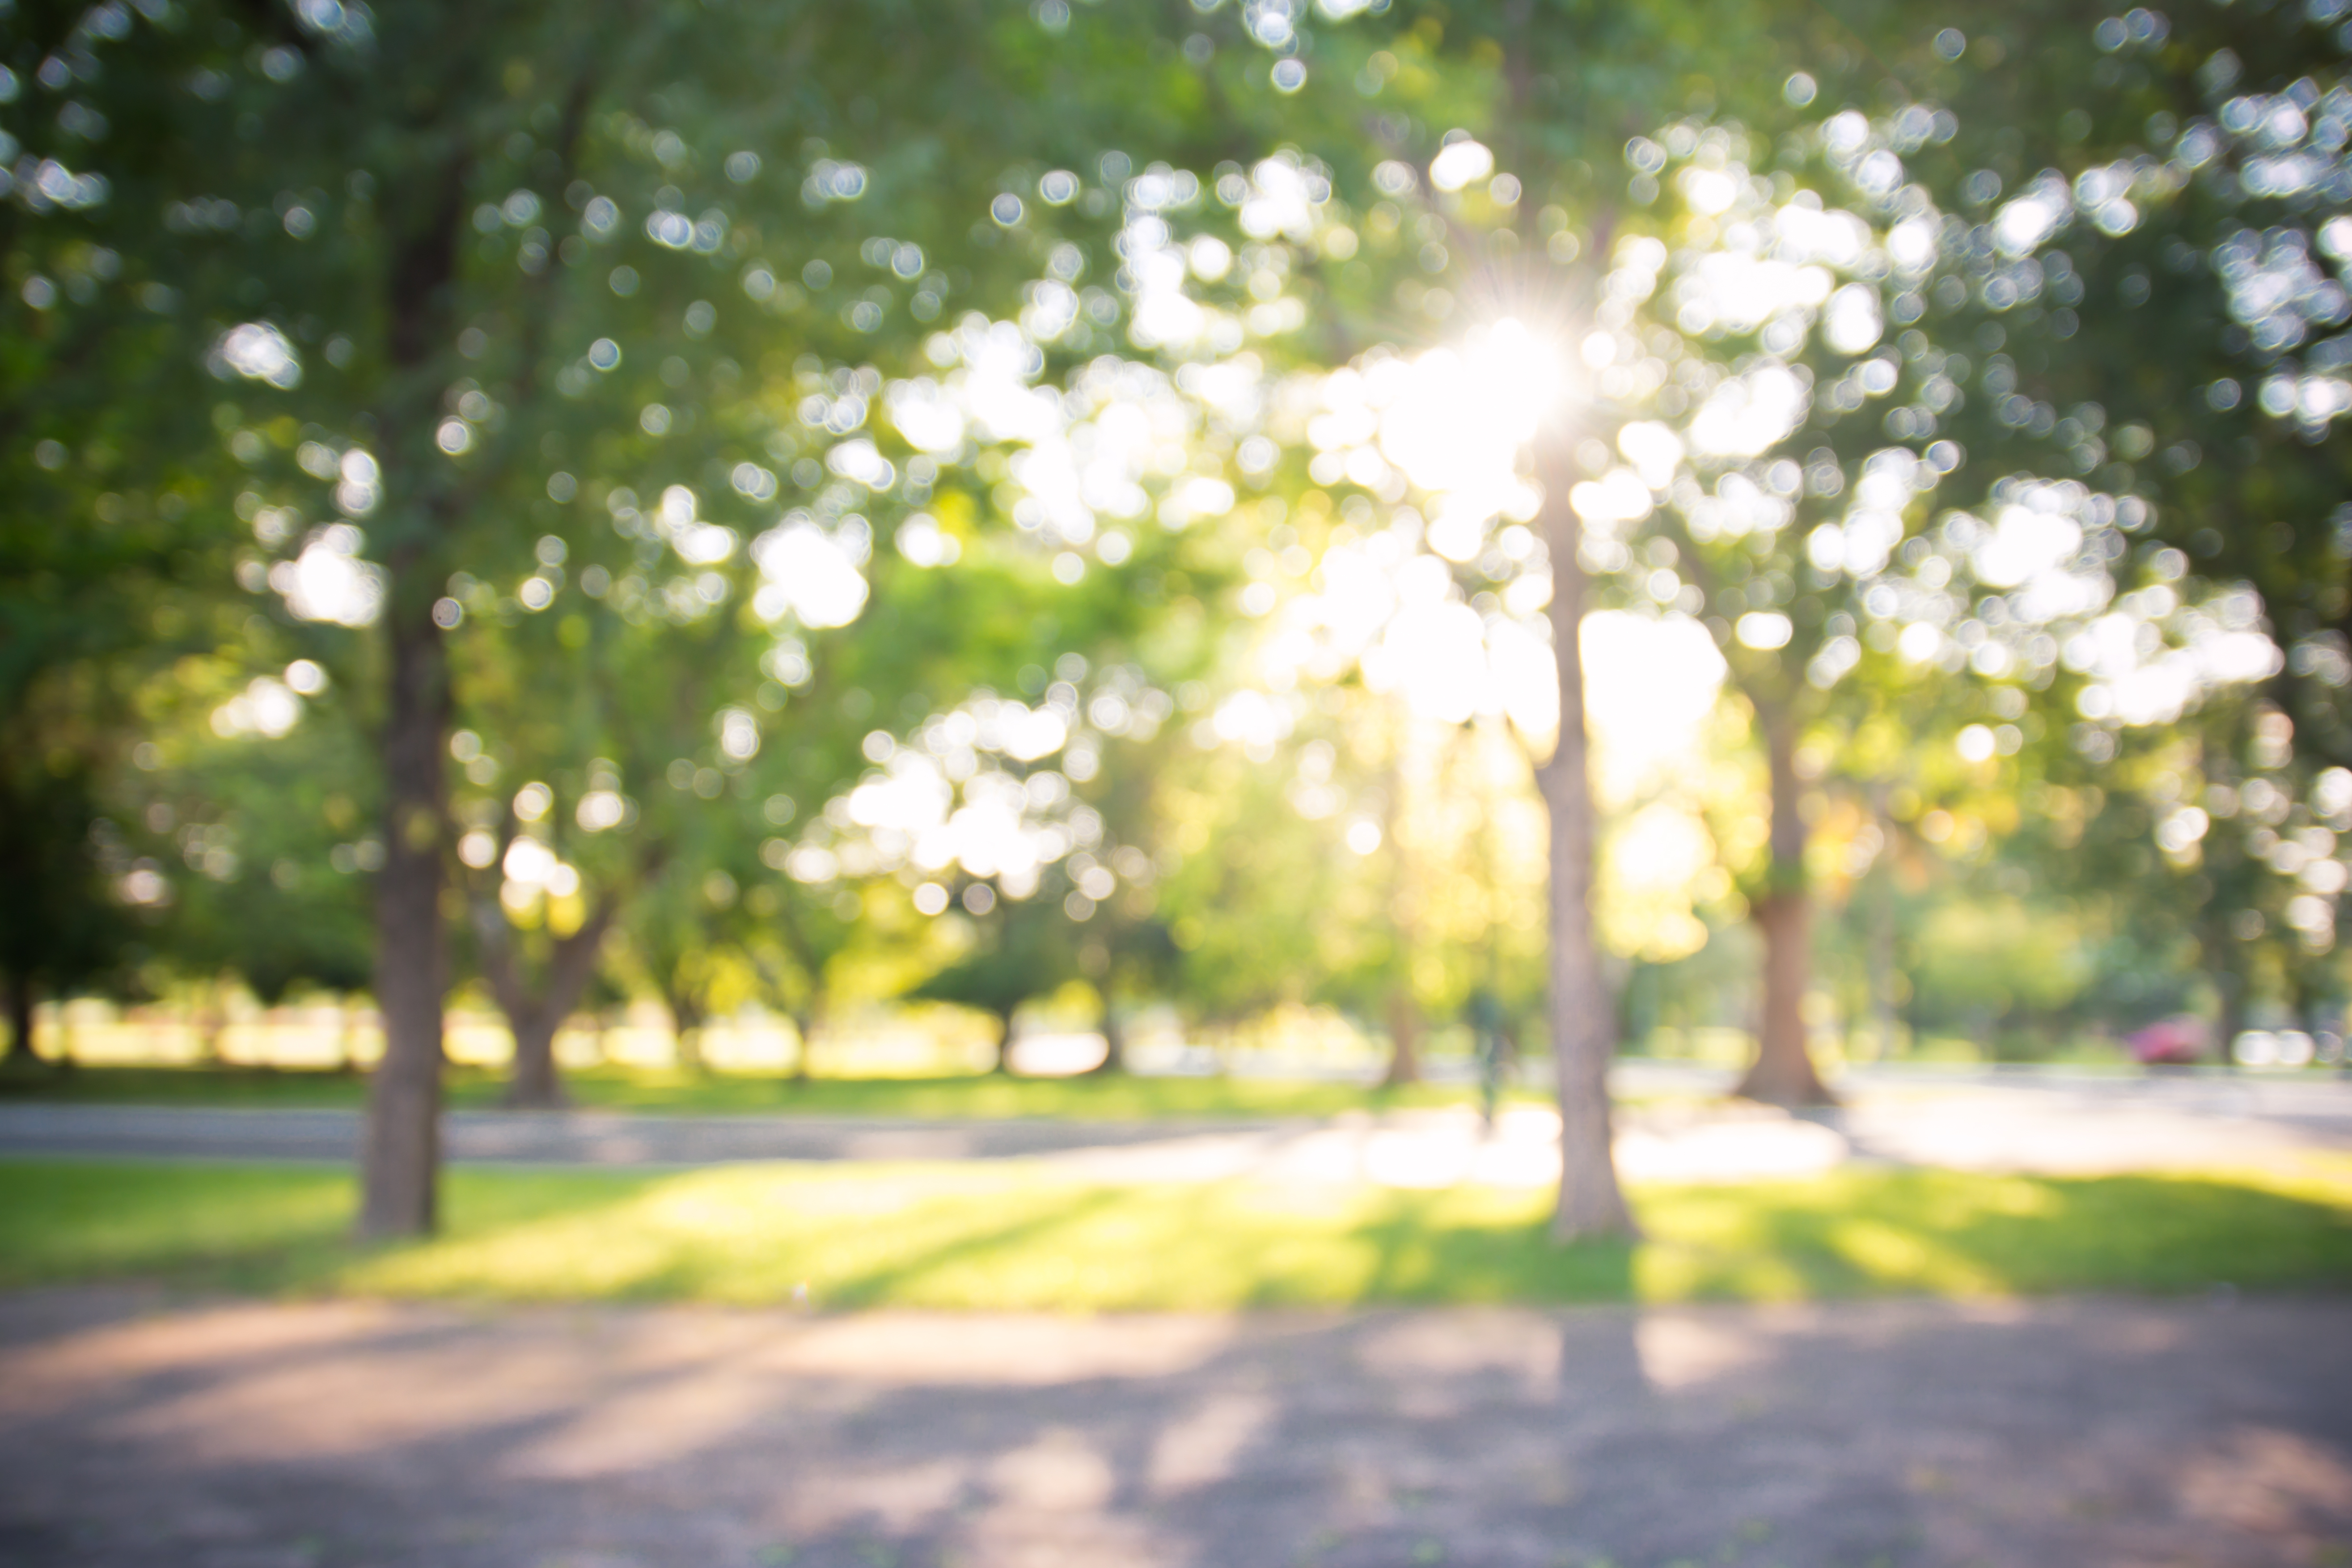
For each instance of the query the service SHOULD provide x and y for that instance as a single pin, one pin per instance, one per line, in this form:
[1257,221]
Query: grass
[1120,1098]
[1011,1237]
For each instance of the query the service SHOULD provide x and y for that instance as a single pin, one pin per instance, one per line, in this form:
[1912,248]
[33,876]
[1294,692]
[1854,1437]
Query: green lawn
[987,1096]
[1012,1237]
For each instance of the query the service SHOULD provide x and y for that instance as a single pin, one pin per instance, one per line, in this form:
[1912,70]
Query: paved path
[1990,1122]
[136,1434]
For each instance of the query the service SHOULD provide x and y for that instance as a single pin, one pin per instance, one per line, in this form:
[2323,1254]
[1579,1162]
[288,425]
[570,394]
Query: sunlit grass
[1115,1098]
[1013,1235]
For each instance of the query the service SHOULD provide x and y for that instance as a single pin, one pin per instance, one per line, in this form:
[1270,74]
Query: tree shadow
[1504,1436]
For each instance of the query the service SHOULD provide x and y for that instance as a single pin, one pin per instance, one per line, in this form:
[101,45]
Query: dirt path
[2062,1434]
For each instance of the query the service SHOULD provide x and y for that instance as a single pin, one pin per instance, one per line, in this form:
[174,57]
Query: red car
[2177,1041]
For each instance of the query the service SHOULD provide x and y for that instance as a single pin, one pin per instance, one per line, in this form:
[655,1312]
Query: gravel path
[136,1432]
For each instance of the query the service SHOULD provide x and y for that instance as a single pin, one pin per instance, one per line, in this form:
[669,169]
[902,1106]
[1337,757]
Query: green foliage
[1997,956]
[109,526]
[261,844]
[62,926]
[1262,901]
[1026,951]
[570,356]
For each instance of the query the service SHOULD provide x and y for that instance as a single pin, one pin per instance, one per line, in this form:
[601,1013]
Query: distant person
[1490,1037]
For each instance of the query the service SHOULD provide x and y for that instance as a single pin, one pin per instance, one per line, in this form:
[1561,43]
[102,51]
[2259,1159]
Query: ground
[138,1432]
[319,1421]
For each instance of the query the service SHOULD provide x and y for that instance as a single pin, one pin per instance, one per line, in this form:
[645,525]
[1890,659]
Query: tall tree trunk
[399,1160]
[22,994]
[1003,1063]
[1404,1039]
[1782,1072]
[1113,1040]
[1590,1202]
[400,1165]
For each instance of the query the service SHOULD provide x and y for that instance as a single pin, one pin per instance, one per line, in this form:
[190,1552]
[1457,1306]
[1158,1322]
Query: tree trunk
[534,1019]
[1782,1073]
[400,1162]
[1591,1202]
[535,1084]
[686,1019]
[805,1026]
[1404,1017]
[1003,1063]
[22,994]
[1404,1040]
[1881,951]
[212,1023]
[2230,981]
[1114,1042]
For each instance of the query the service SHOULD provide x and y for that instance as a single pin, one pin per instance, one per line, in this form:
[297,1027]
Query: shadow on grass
[1568,1437]
[958,1237]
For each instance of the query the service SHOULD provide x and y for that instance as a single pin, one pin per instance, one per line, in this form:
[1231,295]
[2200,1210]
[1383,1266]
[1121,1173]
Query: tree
[799,949]
[1554,94]
[1709,309]
[247,815]
[1124,945]
[1561,87]
[66,927]
[1023,952]
[1029,815]
[680,942]
[1263,904]
[2180,251]
[113,510]
[426,153]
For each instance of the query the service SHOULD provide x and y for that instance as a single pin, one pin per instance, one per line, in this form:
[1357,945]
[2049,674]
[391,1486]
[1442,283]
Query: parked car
[2181,1040]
